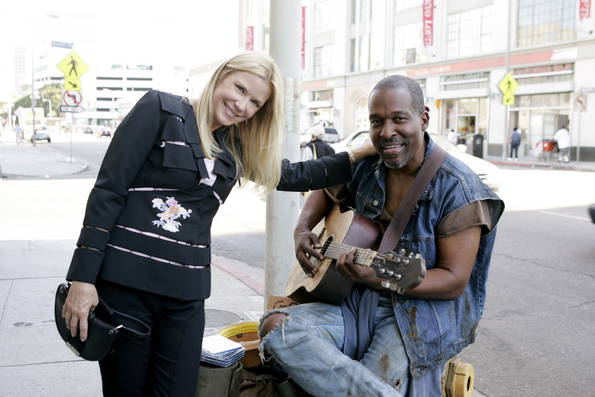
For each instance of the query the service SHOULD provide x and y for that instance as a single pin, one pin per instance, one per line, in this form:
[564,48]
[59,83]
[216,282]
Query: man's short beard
[397,166]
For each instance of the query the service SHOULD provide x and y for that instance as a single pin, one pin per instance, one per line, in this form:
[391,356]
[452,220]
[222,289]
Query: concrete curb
[32,162]
[46,176]
[544,165]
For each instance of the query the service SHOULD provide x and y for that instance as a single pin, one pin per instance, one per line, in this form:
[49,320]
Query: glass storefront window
[470,32]
[468,116]
[401,5]
[482,125]
[326,95]
[554,100]
[468,106]
[322,14]
[464,81]
[322,61]
[545,21]
[451,114]
[408,44]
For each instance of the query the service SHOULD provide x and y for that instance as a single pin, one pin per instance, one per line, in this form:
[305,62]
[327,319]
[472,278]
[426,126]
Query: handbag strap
[401,218]
[132,327]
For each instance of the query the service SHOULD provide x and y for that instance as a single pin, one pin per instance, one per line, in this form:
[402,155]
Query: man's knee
[270,322]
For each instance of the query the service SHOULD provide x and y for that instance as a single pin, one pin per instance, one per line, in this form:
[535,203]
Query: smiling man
[381,342]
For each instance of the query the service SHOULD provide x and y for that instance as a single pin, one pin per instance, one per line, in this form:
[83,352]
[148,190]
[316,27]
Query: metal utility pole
[282,207]
[33,102]
[506,135]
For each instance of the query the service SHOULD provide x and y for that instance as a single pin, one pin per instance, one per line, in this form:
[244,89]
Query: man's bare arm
[306,243]
[456,257]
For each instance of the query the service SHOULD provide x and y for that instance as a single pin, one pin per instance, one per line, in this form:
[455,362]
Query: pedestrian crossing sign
[73,67]
[508,86]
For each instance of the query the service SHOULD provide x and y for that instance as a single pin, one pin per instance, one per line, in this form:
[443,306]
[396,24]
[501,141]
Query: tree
[50,94]
[53,92]
[24,102]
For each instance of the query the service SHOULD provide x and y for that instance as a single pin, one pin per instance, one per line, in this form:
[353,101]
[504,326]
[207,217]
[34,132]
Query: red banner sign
[428,22]
[584,9]
[250,38]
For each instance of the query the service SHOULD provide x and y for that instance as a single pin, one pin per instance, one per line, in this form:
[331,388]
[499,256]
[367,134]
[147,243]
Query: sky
[180,32]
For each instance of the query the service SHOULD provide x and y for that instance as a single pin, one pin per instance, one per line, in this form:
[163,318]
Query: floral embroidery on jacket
[170,211]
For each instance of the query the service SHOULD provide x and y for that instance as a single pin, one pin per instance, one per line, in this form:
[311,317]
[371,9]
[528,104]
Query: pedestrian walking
[562,138]
[317,147]
[19,134]
[453,136]
[145,242]
[515,142]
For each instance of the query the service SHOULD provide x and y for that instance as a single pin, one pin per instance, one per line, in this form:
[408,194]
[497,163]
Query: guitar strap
[359,306]
[420,183]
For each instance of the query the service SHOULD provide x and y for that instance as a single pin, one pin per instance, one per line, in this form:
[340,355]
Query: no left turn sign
[72,98]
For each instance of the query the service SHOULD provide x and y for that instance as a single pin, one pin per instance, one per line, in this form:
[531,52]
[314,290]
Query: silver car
[488,172]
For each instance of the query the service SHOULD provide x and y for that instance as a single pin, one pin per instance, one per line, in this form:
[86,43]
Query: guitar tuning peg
[390,273]
[397,276]
[405,261]
[402,252]
[411,255]
[417,256]
[381,270]
[397,260]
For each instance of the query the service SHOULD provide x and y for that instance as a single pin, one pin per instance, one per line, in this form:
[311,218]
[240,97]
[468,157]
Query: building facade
[109,88]
[459,51]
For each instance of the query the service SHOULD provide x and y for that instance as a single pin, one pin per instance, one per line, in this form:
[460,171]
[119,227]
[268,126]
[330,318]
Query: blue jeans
[307,345]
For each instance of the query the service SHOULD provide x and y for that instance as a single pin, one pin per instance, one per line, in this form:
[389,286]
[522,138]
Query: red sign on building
[428,22]
[250,38]
[584,9]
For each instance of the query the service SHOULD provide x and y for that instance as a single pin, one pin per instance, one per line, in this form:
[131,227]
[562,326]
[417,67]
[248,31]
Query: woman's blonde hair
[256,143]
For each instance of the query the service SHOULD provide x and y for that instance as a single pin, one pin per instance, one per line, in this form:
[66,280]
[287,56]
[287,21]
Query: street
[536,335]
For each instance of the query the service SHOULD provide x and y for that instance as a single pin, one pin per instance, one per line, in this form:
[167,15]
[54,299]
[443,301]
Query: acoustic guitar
[340,232]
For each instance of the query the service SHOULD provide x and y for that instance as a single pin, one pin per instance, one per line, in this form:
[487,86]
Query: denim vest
[433,330]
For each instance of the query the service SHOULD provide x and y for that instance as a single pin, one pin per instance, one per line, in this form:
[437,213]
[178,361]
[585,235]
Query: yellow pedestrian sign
[508,86]
[73,67]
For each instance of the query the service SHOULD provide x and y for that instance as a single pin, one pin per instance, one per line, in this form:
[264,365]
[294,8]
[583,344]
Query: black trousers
[165,365]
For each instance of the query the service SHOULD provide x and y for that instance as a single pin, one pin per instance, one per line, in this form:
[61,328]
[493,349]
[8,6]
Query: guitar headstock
[402,270]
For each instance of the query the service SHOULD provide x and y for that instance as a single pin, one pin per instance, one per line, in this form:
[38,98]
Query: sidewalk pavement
[26,160]
[33,359]
[552,164]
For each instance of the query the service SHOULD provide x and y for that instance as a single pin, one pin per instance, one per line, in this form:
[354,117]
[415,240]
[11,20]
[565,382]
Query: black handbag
[106,326]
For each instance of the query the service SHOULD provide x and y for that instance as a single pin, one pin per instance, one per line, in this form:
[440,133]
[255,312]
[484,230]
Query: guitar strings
[333,250]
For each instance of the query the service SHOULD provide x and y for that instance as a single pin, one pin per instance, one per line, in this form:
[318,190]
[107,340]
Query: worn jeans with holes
[307,345]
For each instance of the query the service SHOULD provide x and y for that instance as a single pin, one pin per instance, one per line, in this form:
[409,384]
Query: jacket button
[375,203]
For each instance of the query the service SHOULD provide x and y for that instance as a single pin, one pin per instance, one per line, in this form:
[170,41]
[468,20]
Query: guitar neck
[335,250]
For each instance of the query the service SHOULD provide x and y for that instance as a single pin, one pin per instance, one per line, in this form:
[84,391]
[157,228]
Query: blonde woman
[145,242]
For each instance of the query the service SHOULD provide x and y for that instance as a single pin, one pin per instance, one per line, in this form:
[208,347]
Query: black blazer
[148,219]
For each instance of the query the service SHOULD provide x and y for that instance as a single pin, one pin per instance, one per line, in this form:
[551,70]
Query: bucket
[245,333]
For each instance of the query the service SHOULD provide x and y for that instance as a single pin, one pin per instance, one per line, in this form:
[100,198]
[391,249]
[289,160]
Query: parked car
[331,135]
[488,172]
[42,134]
[105,132]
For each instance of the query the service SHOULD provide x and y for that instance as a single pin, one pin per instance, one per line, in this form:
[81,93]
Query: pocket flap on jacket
[173,129]
[178,156]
